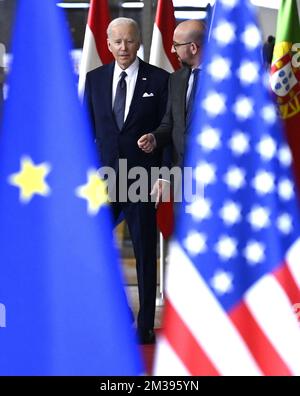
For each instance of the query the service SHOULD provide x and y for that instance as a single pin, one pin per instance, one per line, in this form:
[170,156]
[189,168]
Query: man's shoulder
[181,73]
[100,71]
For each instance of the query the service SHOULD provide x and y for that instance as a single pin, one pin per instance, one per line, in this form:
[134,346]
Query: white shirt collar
[130,70]
[198,67]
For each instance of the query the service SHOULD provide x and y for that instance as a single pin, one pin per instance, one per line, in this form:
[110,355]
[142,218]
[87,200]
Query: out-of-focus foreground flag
[161,56]
[162,37]
[285,76]
[63,306]
[95,52]
[234,268]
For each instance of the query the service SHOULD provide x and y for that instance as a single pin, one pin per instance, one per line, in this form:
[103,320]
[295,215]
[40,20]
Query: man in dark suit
[188,38]
[124,99]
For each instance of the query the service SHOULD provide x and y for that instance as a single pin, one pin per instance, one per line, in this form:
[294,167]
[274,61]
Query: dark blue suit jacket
[146,111]
[144,115]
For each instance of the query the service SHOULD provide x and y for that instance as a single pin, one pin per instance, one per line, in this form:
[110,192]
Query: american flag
[234,266]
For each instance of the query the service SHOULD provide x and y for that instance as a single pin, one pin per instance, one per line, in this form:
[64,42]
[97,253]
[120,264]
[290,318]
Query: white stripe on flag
[166,362]
[158,55]
[205,318]
[272,309]
[89,60]
[293,261]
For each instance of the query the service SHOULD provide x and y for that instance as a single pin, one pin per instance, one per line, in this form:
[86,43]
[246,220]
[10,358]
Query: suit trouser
[141,220]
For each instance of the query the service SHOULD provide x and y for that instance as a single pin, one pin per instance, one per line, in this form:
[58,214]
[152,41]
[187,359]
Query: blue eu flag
[62,304]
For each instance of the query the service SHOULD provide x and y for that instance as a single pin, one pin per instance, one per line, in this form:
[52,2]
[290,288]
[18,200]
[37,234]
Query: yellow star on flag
[31,179]
[94,191]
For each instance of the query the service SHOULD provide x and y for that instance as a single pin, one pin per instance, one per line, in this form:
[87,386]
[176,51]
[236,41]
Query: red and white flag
[162,38]
[95,52]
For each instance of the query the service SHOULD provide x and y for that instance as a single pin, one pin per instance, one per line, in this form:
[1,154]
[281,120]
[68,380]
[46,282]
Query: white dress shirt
[132,73]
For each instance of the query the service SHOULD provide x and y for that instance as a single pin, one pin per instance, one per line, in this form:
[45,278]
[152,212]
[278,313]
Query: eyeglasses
[175,45]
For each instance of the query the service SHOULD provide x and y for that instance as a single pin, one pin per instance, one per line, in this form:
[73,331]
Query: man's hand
[161,190]
[147,143]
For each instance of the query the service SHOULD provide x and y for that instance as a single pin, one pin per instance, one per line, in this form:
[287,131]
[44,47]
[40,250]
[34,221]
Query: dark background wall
[7,11]
[76,17]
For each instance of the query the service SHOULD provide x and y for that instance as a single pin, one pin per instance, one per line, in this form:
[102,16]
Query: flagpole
[161,56]
[162,261]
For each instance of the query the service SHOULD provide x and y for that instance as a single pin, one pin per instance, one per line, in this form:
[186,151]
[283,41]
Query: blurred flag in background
[63,306]
[234,269]
[161,56]
[95,52]
[162,37]
[285,76]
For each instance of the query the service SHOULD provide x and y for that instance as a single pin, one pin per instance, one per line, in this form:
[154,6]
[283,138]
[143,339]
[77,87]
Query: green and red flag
[285,76]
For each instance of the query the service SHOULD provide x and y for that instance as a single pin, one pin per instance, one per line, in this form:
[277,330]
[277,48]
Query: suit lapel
[108,88]
[140,88]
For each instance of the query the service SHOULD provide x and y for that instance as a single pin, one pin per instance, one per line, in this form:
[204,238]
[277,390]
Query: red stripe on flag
[259,345]
[287,282]
[165,218]
[165,21]
[98,20]
[185,345]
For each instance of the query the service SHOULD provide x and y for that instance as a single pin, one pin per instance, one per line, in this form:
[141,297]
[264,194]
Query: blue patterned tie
[120,100]
[191,99]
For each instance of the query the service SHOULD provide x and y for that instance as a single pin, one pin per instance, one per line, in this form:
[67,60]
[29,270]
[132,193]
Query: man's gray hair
[124,21]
